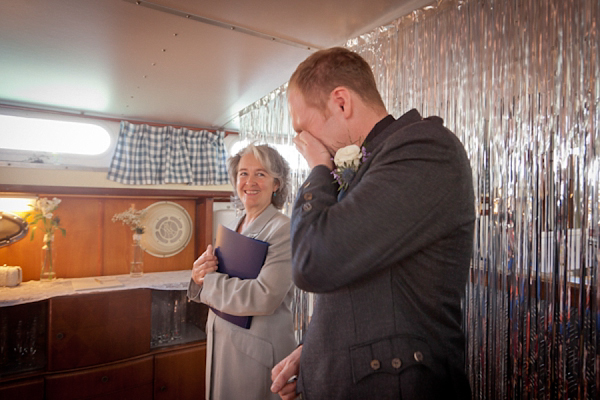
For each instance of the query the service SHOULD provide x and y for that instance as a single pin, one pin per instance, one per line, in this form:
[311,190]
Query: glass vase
[48,260]
[136,267]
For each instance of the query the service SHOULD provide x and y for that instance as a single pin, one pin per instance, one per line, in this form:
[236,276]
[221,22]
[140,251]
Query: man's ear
[341,99]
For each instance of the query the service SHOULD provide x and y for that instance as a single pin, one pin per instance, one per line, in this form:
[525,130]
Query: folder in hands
[241,257]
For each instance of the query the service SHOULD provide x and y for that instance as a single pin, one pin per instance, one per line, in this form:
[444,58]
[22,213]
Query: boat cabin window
[55,142]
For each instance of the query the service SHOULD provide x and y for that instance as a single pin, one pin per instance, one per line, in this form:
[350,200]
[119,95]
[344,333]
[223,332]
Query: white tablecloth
[31,291]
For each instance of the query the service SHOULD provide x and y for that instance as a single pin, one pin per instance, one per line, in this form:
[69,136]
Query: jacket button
[418,356]
[308,196]
[396,363]
[375,364]
[306,206]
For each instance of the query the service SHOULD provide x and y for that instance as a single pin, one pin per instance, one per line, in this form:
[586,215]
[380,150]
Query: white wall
[85,179]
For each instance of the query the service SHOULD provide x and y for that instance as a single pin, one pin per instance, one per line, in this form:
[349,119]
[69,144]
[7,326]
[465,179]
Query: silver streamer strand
[518,81]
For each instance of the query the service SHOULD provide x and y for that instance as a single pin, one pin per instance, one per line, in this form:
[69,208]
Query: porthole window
[52,136]
[32,139]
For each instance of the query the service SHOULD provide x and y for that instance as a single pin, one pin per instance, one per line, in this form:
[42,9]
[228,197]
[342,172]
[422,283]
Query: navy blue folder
[241,257]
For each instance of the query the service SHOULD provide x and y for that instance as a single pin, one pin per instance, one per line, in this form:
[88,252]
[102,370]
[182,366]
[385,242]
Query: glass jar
[136,266]
[48,259]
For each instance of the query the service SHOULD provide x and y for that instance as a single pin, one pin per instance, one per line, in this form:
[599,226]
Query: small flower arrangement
[347,160]
[43,209]
[131,217]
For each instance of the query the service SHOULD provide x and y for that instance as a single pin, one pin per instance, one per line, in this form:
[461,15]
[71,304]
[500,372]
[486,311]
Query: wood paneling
[99,348]
[180,375]
[32,389]
[98,328]
[78,253]
[118,239]
[96,246]
[204,224]
[119,381]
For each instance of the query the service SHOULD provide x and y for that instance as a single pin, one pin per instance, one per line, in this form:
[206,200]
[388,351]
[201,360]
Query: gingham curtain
[151,155]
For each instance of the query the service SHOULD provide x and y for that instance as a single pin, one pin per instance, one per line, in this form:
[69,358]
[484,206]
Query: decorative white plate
[168,229]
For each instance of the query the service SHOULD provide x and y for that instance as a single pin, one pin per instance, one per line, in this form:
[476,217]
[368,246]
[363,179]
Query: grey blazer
[239,361]
[389,263]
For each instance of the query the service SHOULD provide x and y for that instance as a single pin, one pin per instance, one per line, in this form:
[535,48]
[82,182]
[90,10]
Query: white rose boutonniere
[347,160]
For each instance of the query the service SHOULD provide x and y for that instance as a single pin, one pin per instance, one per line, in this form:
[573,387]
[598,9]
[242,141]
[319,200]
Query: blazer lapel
[254,229]
[408,118]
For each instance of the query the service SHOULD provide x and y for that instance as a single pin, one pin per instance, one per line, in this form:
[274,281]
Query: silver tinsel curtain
[518,81]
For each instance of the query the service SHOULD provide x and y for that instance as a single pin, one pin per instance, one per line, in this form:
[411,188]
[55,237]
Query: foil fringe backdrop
[518,81]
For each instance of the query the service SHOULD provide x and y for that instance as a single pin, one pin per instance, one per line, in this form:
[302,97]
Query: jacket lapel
[409,118]
[254,229]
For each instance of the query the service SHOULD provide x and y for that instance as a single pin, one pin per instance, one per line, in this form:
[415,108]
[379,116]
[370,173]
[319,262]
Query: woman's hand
[284,375]
[205,264]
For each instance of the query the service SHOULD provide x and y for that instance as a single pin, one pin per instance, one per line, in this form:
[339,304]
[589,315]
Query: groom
[388,256]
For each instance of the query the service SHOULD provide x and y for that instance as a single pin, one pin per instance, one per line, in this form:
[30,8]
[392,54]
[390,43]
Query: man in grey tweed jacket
[388,256]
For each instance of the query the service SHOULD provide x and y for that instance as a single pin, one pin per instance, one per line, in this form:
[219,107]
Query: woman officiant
[239,360]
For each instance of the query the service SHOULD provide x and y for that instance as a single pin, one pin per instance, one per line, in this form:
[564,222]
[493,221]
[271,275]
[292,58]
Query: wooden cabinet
[98,346]
[93,329]
[179,375]
[30,389]
[176,374]
[23,338]
[114,381]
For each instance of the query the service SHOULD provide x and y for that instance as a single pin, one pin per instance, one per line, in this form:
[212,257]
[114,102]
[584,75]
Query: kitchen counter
[32,291]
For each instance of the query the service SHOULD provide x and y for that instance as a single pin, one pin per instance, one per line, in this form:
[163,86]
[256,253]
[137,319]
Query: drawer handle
[104,379]
[60,336]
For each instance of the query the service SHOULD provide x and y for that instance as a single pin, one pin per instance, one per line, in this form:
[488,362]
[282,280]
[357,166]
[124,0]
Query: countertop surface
[31,291]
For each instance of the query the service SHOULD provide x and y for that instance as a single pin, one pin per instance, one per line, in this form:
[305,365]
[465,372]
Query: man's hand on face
[313,150]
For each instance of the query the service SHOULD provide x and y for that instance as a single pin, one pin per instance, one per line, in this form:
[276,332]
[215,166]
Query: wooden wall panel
[118,239]
[77,254]
[25,254]
[204,225]
[96,246]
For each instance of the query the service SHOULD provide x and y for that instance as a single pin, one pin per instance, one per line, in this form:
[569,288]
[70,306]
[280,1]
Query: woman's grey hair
[274,164]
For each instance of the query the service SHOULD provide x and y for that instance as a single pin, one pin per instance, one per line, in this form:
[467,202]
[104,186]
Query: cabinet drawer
[114,380]
[98,328]
[25,390]
[180,374]
[138,393]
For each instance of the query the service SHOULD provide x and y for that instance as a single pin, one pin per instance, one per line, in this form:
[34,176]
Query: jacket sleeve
[260,296]
[416,189]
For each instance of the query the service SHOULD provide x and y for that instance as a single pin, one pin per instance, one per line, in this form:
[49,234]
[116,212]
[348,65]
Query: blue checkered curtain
[152,155]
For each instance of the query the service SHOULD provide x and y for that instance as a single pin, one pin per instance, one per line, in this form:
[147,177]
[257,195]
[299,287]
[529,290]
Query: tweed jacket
[239,361]
[389,262]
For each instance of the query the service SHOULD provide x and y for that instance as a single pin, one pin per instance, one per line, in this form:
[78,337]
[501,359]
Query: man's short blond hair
[323,71]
